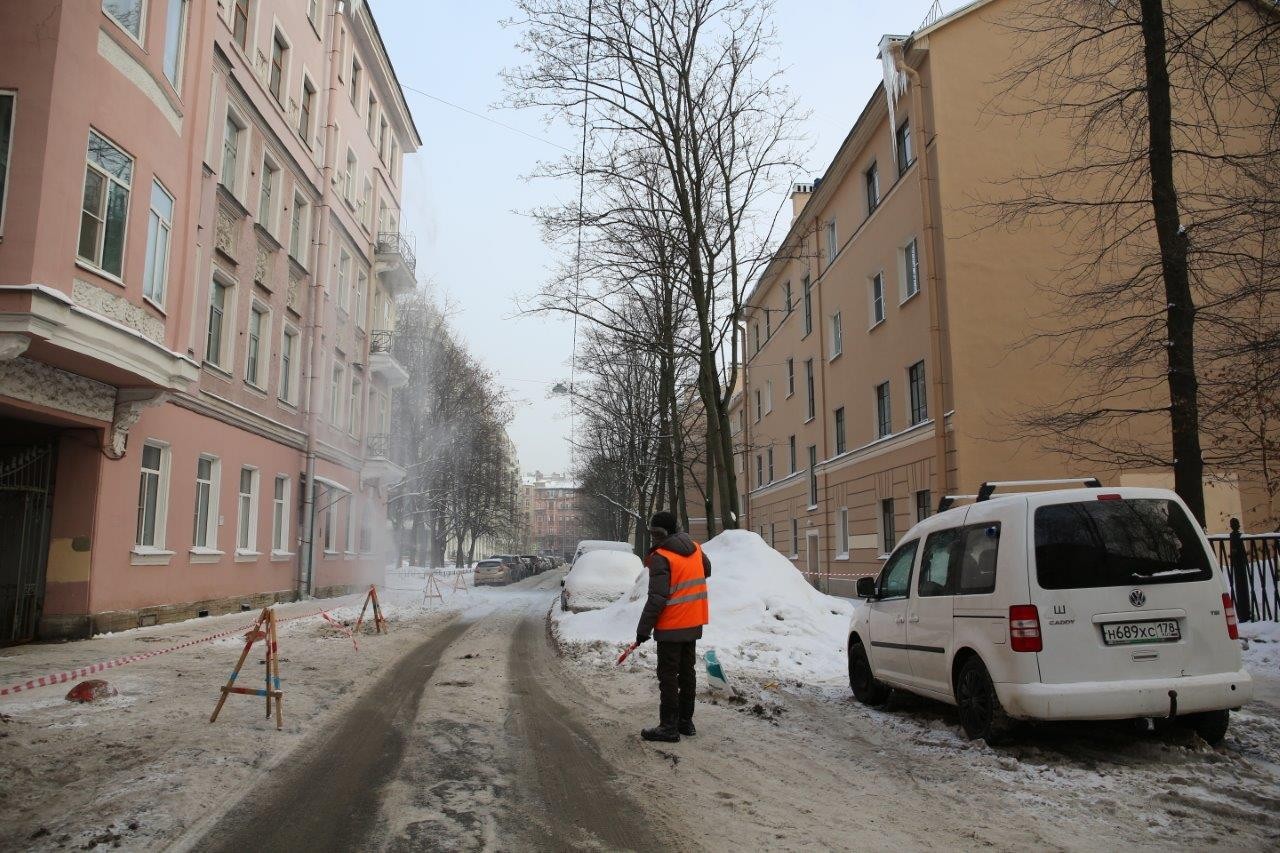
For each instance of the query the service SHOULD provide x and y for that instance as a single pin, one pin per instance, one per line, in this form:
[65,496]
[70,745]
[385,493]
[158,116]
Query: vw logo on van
[1137,598]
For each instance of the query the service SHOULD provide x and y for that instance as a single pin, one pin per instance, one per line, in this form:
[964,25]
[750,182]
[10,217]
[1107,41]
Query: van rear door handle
[899,620]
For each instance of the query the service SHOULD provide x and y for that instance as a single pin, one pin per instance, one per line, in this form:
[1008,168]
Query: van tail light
[1109,497]
[1229,608]
[1024,628]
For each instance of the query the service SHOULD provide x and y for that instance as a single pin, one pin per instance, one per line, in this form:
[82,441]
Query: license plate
[1125,633]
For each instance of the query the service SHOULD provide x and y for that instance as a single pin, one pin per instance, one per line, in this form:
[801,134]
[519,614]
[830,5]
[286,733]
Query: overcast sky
[465,191]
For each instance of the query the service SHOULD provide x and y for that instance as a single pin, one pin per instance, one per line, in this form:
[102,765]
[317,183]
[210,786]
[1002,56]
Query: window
[355,81]
[759,470]
[791,448]
[768,396]
[159,228]
[298,229]
[759,405]
[8,101]
[129,14]
[1117,543]
[344,271]
[769,457]
[842,531]
[791,376]
[872,176]
[382,138]
[215,347]
[331,521]
[366,528]
[906,156]
[366,204]
[280,516]
[335,395]
[395,161]
[808,384]
[884,414]
[232,138]
[924,504]
[910,270]
[267,195]
[813,475]
[795,537]
[357,298]
[887,529]
[919,396]
[371,120]
[806,287]
[247,511]
[205,533]
[175,36]
[755,337]
[960,561]
[937,562]
[773,534]
[357,396]
[840,441]
[877,299]
[279,58]
[832,248]
[108,177]
[153,490]
[313,11]
[240,23]
[288,364]
[253,372]
[895,577]
[349,188]
[305,109]
[786,296]
[837,335]
[768,324]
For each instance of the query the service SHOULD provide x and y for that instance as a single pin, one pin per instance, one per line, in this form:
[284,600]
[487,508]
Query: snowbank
[600,578]
[765,618]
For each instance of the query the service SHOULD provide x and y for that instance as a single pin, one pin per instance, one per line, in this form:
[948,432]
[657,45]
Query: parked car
[517,569]
[1069,604]
[598,545]
[531,560]
[599,578]
[492,573]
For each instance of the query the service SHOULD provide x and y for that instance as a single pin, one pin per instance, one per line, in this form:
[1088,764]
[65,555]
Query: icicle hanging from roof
[895,86]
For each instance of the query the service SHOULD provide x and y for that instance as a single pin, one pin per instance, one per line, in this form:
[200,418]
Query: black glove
[641,639]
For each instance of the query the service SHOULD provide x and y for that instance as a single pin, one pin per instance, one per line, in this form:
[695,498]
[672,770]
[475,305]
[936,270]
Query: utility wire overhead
[484,117]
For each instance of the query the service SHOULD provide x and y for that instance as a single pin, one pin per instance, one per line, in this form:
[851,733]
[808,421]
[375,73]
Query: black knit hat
[665,521]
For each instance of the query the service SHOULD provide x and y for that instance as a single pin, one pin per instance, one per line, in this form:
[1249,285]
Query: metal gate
[26,485]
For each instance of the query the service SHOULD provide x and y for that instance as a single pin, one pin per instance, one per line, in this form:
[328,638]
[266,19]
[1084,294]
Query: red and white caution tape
[343,628]
[63,677]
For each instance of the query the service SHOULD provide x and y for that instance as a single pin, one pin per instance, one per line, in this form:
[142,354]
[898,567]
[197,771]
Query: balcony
[378,467]
[395,262]
[382,362]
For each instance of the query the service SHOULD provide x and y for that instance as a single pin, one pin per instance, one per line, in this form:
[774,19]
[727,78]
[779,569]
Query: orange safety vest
[687,604]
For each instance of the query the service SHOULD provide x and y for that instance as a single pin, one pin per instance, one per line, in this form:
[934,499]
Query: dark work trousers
[677,681]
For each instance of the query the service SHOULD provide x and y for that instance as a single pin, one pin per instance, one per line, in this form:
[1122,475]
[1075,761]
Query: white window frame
[832,248]
[270,182]
[237,165]
[837,336]
[329,540]
[180,37]
[768,396]
[209,530]
[349,542]
[249,15]
[356,403]
[795,538]
[878,312]
[812,491]
[791,376]
[161,509]
[95,263]
[6,156]
[358,297]
[337,381]
[247,522]
[226,335]
[262,358]
[158,227]
[280,516]
[140,35]
[289,373]
[349,182]
[279,38]
[344,270]
[842,533]
[909,273]
[883,430]
[298,224]
[305,130]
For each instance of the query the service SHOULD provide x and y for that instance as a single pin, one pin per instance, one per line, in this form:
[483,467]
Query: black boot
[666,732]
[686,728]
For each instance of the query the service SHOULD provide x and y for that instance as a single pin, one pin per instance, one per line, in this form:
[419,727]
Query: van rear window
[1117,543]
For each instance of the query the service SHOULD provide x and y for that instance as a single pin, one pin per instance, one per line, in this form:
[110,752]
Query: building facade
[886,354]
[554,504]
[199,260]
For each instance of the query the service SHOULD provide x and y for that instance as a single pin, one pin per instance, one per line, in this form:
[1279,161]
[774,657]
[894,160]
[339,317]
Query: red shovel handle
[631,648]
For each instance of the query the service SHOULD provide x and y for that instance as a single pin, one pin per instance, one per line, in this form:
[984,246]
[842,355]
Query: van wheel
[867,689]
[981,714]
[1210,725]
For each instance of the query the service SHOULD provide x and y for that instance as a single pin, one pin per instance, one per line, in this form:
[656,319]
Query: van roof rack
[986,490]
[948,501]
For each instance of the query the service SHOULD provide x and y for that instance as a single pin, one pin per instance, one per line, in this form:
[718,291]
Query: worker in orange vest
[675,613]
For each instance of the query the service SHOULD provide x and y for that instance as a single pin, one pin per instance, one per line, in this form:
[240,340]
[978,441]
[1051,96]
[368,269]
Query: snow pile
[766,619]
[1261,642]
[600,578]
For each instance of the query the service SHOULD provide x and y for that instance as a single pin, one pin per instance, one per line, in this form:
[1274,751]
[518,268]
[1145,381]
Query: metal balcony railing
[380,340]
[395,243]
[379,445]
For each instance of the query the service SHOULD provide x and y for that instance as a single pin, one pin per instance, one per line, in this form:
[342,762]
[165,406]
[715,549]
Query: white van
[1072,604]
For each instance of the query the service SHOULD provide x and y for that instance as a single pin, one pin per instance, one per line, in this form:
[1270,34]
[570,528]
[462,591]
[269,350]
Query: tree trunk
[1184,415]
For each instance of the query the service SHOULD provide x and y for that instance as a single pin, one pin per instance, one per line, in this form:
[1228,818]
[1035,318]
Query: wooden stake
[263,629]
[379,623]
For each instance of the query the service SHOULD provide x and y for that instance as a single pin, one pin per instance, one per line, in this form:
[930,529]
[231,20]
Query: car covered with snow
[599,545]
[599,578]
[1066,604]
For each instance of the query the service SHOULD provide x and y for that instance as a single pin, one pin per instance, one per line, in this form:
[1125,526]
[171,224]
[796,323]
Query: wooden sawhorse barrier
[379,623]
[263,629]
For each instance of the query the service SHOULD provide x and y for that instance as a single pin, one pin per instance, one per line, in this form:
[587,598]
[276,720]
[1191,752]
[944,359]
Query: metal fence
[395,243]
[1251,562]
[380,340]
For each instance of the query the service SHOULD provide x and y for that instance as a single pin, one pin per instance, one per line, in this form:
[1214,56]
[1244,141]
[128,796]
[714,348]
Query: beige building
[883,364]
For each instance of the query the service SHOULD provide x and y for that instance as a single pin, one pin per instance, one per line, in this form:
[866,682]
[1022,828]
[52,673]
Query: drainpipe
[321,254]
[937,386]
[824,500]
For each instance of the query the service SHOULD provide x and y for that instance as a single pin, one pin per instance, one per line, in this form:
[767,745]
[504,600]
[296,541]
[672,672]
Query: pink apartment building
[199,261]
